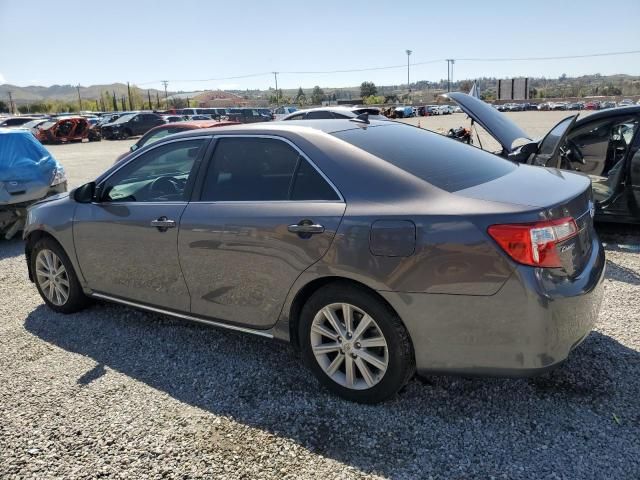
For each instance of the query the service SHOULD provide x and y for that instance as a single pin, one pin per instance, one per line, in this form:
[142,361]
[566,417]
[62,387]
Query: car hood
[498,125]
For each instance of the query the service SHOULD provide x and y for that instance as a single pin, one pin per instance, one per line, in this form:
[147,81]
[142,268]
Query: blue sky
[146,41]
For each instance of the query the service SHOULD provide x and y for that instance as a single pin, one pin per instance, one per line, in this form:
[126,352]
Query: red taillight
[536,243]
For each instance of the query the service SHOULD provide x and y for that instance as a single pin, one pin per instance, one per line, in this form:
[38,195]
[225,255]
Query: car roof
[292,126]
[611,112]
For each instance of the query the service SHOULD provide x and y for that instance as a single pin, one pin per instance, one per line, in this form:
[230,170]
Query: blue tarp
[23,158]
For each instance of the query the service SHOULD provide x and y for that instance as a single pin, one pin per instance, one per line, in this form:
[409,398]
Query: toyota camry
[377,249]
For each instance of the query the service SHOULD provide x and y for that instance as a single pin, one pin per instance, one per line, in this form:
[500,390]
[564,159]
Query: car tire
[63,292]
[125,135]
[388,356]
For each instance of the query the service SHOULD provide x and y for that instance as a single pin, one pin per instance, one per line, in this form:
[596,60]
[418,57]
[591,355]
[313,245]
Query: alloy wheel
[349,346]
[52,277]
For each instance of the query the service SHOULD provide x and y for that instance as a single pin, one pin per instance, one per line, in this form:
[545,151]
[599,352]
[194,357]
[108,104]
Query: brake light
[534,244]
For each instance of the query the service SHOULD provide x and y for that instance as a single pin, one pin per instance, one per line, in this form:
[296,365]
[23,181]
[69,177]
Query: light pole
[275,74]
[450,62]
[409,52]
[166,101]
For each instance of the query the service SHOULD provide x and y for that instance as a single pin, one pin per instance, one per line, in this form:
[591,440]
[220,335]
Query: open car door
[552,149]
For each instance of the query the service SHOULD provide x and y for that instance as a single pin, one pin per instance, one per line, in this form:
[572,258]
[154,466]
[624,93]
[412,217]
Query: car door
[126,240]
[262,215]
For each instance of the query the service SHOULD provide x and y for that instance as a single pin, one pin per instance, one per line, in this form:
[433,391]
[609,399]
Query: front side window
[159,135]
[262,169]
[297,116]
[159,175]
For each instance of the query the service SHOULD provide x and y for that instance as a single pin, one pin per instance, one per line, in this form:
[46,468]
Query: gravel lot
[117,393]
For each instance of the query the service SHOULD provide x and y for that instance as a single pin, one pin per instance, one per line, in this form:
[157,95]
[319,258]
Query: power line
[391,67]
[563,57]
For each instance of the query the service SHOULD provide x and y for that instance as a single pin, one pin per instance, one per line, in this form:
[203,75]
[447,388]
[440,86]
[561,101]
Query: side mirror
[85,193]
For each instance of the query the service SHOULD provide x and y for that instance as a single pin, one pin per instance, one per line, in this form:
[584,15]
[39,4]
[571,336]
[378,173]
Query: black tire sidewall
[401,361]
[77,299]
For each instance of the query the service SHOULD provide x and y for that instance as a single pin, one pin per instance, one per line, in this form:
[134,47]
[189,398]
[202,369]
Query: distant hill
[65,93]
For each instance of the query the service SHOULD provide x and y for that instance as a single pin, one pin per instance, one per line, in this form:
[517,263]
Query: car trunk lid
[552,195]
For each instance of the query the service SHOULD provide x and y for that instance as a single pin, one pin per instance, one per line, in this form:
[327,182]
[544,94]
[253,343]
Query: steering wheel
[570,153]
[164,186]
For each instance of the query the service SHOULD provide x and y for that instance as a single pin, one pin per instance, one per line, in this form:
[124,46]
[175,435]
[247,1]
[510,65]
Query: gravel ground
[117,393]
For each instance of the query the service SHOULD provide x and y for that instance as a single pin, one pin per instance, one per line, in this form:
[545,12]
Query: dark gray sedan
[376,248]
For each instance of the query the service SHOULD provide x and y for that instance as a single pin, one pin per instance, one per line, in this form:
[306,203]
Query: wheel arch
[31,239]
[304,293]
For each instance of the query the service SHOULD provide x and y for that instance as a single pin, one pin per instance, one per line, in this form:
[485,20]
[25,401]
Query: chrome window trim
[214,323]
[300,152]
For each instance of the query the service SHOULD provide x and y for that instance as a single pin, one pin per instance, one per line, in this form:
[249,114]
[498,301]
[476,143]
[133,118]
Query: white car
[281,112]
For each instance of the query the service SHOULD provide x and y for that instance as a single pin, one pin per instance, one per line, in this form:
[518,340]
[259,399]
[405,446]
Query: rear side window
[319,115]
[248,169]
[442,162]
[309,184]
[262,169]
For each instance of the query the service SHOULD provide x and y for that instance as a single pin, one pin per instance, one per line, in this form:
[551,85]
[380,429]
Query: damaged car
[604,145]
[67,129]
[28,173]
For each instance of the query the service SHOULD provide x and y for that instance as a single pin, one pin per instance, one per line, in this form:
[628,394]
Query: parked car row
[545,106]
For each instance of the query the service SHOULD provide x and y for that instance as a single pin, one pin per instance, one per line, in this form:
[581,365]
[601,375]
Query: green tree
[374,100]
[301,98]
[317,95]
[3,106]
[367,89]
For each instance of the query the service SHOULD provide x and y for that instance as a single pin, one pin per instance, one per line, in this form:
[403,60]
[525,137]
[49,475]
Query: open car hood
[498,125]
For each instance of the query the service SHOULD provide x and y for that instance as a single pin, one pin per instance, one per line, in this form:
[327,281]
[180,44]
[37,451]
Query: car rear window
[443,162]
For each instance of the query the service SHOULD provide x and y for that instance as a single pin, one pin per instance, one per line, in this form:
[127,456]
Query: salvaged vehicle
[67,129]
[28,173]
[604,145]
[376,248]
[130,125]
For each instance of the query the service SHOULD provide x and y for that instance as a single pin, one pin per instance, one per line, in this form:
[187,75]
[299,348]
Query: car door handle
[304,227]
[163,223]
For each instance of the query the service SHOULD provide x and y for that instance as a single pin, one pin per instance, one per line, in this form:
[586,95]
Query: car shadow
[621,273]
[11,248]
[262,384]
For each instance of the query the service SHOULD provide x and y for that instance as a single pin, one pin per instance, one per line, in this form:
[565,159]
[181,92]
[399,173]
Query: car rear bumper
[526,328]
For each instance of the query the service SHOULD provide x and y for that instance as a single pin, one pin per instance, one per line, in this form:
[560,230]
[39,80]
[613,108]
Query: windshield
[443,163]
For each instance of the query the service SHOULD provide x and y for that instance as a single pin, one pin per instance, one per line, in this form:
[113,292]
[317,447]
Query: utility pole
[409,52]
[149,97]
[79,99]
[275,75]
[11,108]
[166,101]
[129,92]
